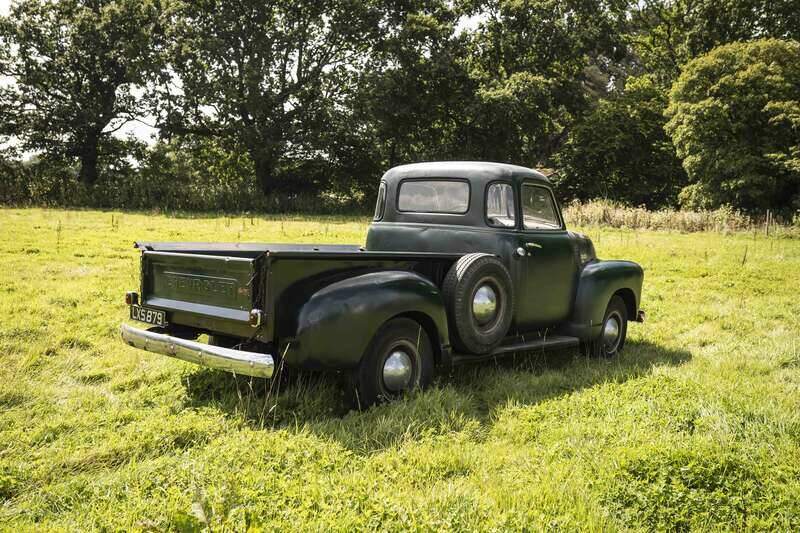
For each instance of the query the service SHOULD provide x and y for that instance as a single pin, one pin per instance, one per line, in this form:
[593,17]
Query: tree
[75,64]
[414,95]
[733,117]
[269,75]
[620,151]
[532,63]
[665,34]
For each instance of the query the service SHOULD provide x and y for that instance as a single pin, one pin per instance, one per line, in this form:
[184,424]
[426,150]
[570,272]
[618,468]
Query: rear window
[434,196]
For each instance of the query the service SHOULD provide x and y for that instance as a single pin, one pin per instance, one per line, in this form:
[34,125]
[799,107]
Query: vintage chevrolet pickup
[463,261]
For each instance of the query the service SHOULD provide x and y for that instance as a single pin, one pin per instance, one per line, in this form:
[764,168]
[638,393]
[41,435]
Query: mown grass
[695,426]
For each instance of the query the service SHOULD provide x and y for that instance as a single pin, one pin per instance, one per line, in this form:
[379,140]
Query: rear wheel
[398,360]
[613,331]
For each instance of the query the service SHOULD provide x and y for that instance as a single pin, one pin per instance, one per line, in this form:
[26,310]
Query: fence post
[766,224]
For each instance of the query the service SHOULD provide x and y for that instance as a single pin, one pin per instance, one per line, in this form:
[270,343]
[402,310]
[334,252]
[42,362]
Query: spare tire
[479,300]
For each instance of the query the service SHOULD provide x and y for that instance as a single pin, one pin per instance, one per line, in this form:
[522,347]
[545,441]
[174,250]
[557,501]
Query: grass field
[695,426]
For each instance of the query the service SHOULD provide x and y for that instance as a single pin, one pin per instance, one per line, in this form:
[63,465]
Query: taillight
[131,298]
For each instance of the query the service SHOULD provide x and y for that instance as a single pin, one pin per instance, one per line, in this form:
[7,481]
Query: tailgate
[216,286]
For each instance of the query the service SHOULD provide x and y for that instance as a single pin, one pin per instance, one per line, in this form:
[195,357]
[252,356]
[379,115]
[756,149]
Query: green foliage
[695,197]
[687,490]
[530,61]
[9,482]
[695,426]
[733,119]
[665,34]
[414,96]
[504,91]
[266,76]
[75,64]
[40,181]
[620,151]
[189,173]
[312,100]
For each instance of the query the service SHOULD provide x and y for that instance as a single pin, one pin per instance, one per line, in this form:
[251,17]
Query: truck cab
[463,261]
[505,210]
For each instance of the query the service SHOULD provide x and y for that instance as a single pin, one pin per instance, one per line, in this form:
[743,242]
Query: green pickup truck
[464,261]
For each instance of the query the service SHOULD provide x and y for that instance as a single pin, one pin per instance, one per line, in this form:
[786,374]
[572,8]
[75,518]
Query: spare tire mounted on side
[479,300]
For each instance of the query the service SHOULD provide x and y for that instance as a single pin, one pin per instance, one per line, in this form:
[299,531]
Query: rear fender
[337,323]
[597,283]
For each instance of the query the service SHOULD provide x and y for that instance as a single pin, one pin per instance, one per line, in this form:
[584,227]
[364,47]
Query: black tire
[603,345]
[367,385]
[460,286]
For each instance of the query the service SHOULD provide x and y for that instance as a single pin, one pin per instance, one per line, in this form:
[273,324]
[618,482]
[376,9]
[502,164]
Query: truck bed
[214,287]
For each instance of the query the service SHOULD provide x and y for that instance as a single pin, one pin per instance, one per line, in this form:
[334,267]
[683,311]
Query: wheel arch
[598,282]
[336,325]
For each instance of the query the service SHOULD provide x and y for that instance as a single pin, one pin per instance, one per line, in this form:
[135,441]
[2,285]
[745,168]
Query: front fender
[337,323]
[597,283]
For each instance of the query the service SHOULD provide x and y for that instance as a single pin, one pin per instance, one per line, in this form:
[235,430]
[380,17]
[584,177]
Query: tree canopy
[267,75]
[75,64]
[620,150]
[734,118]
[647,103]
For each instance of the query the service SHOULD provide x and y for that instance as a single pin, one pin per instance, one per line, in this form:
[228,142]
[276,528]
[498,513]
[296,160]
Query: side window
[538,209]
[500,205]
[380,206]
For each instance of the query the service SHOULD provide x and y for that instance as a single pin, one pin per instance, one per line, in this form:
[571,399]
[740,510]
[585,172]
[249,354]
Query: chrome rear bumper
[237,361]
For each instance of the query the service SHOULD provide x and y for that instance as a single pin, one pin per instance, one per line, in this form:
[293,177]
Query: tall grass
[725,219]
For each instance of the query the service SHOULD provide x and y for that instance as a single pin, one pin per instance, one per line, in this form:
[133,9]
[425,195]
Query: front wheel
[613,331]
[398,360]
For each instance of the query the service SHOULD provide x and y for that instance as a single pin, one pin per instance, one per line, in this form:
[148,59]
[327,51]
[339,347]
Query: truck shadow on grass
[465,398]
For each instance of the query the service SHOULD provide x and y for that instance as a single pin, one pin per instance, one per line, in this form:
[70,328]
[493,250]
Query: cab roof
[478,172]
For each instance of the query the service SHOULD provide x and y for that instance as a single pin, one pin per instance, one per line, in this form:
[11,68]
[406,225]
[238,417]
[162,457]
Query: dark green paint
[323,303]
[598,282]
[337,323]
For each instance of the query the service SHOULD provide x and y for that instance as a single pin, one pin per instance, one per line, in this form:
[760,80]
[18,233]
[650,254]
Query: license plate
[151,316]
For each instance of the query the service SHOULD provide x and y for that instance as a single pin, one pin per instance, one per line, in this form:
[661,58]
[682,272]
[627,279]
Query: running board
[550,342]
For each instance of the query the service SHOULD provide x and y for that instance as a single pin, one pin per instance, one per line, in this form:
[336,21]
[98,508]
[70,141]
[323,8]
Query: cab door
[547,265]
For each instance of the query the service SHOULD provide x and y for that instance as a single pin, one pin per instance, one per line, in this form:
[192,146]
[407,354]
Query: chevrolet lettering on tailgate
[190,283]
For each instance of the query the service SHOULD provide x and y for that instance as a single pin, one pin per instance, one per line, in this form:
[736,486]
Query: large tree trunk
[88,158]
[265,170]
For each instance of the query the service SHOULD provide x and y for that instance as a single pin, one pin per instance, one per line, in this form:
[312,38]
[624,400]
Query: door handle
[532,245]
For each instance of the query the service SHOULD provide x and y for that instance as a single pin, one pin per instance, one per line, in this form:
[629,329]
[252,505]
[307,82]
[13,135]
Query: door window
[500,205]
[538,208]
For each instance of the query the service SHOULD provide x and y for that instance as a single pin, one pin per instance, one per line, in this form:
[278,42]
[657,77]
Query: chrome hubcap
[397,370]
[611,331]
[484,304]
